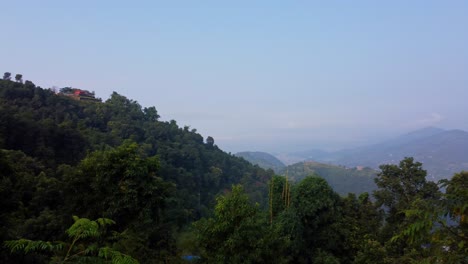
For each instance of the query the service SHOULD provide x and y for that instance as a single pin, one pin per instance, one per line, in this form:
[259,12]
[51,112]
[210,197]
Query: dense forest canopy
[108,182]
[108,159]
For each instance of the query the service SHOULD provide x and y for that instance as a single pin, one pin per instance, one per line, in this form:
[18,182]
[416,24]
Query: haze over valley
[443,152]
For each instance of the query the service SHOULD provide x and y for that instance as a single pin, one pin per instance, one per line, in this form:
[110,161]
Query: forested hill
[343,180]
[62,157]
[262,159]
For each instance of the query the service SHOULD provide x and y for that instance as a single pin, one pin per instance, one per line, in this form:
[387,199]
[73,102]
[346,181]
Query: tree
[151,113]
[19,78]
[210,141]
[317,208]
[124,179]
[399,186]
[28,84]
[357,227]
[442,224]
[122,184]
[7,76]
[238,233]
[278,196]
[455,205]
[85,245]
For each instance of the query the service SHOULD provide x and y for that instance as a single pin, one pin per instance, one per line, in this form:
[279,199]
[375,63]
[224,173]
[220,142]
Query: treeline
[409,220]
[62,157]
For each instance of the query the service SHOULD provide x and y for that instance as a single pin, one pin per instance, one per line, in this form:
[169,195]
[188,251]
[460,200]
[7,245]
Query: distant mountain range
[442,152]
[263,160]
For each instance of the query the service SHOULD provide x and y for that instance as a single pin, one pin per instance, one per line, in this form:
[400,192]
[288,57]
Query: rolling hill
[262,159]
[343,180]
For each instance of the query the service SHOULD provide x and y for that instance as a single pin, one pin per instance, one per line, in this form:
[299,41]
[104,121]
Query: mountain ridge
[443,152]
[262,159]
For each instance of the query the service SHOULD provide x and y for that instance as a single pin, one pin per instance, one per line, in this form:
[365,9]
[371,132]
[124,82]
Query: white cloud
[434,118]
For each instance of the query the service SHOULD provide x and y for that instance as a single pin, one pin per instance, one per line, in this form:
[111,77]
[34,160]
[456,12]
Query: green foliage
[315,201]
[359,222]
[27,246]
[371,251]
[409,202]
[61,157]
[324,257]
[277,195]
[119,182]
[115,256]
[79,249]
[113,159]
[317,209]
[238,233]
[399,186]
[85,228]
[456,197]
[441,224]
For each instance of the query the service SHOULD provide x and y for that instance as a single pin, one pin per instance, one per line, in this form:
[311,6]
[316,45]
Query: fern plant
[83,247]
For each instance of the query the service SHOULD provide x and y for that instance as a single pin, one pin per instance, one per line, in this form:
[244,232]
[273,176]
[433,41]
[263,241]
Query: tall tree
[442,224]
[238,233]
[400,185]
[7,76]
[210,141]
[19,78]
[123,184]
[317,208]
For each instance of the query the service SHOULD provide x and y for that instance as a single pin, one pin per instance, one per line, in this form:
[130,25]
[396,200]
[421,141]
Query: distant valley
[442,152]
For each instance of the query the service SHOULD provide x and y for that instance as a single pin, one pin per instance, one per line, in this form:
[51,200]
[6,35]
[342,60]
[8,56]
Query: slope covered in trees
[262,159]
[64,157]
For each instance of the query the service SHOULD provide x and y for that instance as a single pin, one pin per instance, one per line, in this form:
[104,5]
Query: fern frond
[26,246]
[103,222]
[115,256]
[83,228]
[91,249]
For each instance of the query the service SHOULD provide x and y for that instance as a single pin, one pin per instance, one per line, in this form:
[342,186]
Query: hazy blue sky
[256,75]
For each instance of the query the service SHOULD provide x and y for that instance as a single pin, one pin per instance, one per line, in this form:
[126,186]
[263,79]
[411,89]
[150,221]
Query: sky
[272,76]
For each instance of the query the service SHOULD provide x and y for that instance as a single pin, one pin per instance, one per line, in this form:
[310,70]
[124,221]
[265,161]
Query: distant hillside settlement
[79,94]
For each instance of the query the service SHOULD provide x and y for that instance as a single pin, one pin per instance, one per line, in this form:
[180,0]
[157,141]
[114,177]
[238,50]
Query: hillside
[295,157]
[60,156]
[262,159]
[342,180]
